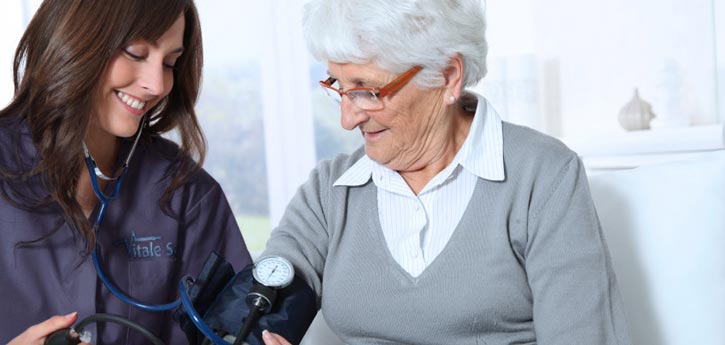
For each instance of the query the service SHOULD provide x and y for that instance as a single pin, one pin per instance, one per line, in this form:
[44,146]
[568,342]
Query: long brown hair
[58,67]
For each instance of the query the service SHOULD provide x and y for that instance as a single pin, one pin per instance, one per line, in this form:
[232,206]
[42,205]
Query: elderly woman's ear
[453,76]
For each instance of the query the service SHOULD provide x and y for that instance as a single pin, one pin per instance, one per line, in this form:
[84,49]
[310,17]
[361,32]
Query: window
[231,110]
[266,118]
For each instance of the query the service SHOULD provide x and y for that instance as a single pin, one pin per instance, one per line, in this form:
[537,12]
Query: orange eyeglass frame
[381,92]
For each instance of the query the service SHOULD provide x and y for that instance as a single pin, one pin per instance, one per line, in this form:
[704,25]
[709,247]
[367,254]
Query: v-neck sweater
[527,264]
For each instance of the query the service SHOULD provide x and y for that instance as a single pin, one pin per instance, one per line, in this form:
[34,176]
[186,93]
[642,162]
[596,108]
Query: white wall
[719,18]
[586,57]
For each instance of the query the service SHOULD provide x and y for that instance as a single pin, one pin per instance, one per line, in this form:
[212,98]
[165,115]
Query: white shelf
[633,149]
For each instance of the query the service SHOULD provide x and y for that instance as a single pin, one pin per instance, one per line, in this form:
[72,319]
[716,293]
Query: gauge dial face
[274,271]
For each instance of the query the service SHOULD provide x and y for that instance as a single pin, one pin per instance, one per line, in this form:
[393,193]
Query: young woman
[86,179]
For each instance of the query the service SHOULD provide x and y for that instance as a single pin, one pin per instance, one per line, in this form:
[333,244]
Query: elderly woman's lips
[373,135]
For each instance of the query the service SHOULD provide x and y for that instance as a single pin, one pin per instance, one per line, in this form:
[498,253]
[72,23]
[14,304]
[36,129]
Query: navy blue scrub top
[143,250]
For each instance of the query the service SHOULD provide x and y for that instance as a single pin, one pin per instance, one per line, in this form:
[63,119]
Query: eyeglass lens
[363,99]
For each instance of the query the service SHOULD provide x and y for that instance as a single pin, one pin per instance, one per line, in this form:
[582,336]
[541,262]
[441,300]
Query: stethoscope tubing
[117,320]
[184,299]
[194,316]
[125,298]
[105,199]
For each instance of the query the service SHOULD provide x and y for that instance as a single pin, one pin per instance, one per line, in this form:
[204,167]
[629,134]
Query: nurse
[95,73]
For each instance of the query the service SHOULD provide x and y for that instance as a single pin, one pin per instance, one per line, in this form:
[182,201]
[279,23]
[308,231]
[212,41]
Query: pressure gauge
[274,271]
[270,273]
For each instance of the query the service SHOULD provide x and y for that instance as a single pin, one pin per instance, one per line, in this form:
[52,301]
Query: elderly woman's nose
[352,116]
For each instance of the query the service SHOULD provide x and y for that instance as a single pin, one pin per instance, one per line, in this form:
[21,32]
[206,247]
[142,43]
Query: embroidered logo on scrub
[146,247]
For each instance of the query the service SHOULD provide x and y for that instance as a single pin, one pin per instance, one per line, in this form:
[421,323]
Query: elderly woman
[449,226]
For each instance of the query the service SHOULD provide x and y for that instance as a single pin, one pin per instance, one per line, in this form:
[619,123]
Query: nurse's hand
[273,339]
[36,334]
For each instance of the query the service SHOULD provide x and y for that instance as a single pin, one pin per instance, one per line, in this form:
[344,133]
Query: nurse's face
[137,78]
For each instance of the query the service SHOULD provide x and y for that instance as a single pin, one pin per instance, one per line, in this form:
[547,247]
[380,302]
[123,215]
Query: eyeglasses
[368,98]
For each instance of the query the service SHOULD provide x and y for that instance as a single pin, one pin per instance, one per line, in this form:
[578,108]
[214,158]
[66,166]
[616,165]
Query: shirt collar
[485,139]
[358,174]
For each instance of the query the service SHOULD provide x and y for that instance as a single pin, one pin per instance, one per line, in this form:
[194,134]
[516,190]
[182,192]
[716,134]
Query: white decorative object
[636,114]
[670,96]
[512,86]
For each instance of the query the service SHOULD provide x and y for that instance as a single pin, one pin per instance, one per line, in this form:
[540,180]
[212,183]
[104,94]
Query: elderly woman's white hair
[398,34]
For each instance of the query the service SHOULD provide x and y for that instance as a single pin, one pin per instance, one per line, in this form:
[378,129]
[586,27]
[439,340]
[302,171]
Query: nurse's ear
[453,77]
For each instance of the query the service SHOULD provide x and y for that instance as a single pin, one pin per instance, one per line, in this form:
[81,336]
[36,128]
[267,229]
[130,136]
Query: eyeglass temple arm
[327,83]
[401,79]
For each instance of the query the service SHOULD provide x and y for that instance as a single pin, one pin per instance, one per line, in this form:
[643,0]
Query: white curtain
[289,137]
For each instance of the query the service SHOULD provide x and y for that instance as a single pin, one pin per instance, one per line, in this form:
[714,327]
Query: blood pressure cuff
[225,310]
[213,278]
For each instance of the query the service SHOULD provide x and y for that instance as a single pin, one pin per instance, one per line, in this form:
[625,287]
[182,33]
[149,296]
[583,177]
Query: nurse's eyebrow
[178,50]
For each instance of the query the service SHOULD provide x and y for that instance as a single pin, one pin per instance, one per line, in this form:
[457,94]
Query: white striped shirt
[417,228]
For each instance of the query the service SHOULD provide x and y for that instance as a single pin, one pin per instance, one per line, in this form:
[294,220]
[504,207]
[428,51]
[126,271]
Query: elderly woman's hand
[273,339]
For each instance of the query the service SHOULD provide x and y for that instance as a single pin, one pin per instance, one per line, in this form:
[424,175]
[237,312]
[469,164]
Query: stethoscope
[96,173]
[70,336]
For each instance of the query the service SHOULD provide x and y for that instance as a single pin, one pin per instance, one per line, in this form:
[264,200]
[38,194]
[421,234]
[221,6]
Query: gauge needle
[271,273]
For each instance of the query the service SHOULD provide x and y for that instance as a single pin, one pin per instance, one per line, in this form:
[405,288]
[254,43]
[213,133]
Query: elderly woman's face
[399,135]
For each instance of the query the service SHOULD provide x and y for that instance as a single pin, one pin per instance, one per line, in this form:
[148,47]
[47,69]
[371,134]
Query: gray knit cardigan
[527,264]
